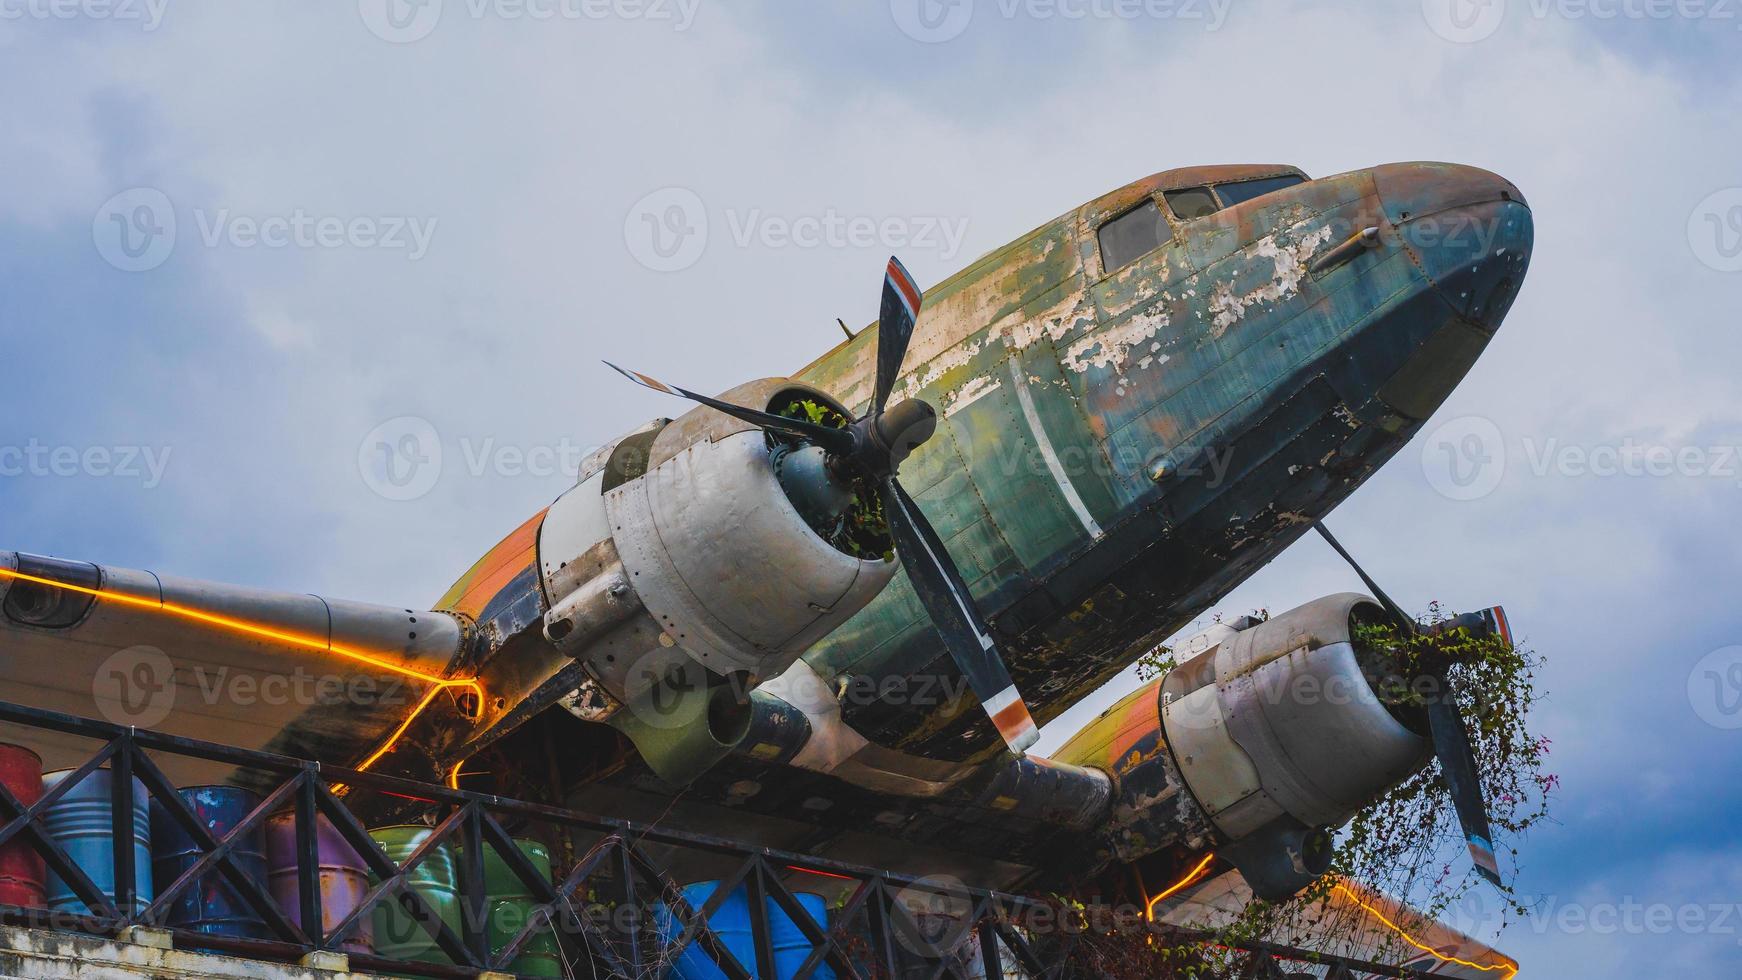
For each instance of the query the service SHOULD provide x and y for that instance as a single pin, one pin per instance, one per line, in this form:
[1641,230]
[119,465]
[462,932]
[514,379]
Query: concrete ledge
[143,954]
[322,959]
[146,936]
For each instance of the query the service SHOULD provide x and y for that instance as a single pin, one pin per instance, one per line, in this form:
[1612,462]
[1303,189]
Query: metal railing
[874,932]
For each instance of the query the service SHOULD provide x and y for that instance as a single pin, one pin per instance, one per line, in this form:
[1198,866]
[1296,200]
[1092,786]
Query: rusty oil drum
[210,905]
[343,878]
[21,871]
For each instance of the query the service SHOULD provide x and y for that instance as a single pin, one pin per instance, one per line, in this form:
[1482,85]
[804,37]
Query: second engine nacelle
[1266,736]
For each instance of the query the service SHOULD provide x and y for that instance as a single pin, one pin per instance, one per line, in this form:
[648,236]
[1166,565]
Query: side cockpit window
[1241,191]
[1201,202]
[1132,235]
[1192,202]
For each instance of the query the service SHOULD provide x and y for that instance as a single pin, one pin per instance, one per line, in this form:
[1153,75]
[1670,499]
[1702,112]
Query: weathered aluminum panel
[726,564]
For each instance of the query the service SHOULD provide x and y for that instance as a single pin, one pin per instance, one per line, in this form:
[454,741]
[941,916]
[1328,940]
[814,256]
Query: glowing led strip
[1173,889]
[305,642]
[1436,954]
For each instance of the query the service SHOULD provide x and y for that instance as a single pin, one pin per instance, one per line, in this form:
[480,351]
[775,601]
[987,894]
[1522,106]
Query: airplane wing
[300,674]
[1360,923]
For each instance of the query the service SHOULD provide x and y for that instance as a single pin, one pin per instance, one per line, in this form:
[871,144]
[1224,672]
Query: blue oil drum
[81,824]
[210,905]
[731,922]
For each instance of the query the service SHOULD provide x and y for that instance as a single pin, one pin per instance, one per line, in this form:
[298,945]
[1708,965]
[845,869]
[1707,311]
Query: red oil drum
[21,881]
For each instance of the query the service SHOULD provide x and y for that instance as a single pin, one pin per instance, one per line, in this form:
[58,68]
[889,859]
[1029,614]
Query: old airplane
[832,607]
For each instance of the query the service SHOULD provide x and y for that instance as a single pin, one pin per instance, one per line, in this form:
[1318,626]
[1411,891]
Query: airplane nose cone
[1468,230]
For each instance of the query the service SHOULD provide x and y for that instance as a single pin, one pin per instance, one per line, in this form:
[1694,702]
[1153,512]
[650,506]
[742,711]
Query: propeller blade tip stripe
[1010,715]
[898,279]
[644,380]
[1482,853]
[1503,623]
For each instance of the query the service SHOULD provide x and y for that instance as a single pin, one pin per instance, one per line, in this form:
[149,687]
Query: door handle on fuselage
[1364,239]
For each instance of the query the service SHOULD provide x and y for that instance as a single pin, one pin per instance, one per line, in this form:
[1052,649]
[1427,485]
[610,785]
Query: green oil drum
[436,881]
[509,905]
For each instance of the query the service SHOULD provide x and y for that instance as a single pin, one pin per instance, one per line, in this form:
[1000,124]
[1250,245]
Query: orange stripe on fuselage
[491,573]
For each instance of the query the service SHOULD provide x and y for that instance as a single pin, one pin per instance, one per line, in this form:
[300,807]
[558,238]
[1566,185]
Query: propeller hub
[897,432]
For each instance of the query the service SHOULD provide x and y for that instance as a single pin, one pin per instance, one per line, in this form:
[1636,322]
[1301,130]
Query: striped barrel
[397,934]
[21,872]
[343,878]
[210,905]
[80,822]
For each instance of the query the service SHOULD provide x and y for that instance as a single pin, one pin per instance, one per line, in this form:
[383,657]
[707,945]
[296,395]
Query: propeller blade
[1451,740]
[946,598]
[836,441]
[1458,763]
[895,320]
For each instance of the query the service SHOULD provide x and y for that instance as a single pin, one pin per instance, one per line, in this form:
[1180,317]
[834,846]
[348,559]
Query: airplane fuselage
[1120,446]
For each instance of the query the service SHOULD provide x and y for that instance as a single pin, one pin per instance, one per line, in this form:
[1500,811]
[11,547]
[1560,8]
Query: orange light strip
[1436,954]
[292,639]
[1175,888]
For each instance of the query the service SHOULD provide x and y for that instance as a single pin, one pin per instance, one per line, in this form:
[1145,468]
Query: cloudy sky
[244,243]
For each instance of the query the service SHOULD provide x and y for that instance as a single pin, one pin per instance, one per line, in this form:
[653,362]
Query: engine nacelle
[1265,737]
[682,575]
[1279,733]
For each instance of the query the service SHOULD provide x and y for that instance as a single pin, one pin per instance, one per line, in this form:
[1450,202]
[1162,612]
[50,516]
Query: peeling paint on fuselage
[1207,345]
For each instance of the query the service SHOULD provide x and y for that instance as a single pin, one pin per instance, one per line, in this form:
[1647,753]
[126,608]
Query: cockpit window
[1193,202]
[1132,235]
[1241,191]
